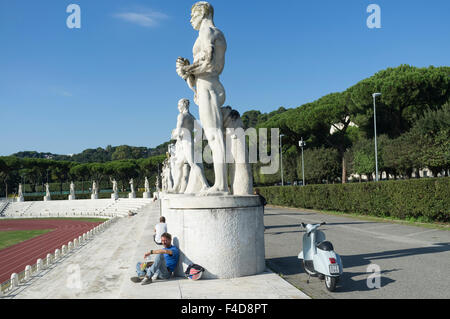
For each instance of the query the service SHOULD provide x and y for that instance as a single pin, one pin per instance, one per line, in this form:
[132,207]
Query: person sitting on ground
[261,198]
[160,229]
[164,265]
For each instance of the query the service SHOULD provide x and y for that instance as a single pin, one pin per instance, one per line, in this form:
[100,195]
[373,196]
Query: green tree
[321,165]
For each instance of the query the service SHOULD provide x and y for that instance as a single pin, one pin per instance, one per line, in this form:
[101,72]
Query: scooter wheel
[330,283]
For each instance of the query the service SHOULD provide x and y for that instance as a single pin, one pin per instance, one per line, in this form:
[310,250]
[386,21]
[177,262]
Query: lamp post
[375,134]
[281,157]
[302,144]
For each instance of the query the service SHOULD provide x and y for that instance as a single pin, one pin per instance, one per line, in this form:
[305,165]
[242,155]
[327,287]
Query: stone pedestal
[114,196]
[94,196]
[146,195]
[20,199]
[47,198]
[224,234]
[131,195]
[71,197]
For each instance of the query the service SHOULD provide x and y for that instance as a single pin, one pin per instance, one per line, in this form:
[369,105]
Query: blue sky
[113,81]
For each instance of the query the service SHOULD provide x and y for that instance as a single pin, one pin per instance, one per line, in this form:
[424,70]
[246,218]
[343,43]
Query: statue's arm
[203,64]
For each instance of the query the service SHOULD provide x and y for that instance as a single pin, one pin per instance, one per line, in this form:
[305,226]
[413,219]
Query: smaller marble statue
[94,194]
[47,192]
[132,193]
[72,191]
[146,193]
[115,194]
[20,194]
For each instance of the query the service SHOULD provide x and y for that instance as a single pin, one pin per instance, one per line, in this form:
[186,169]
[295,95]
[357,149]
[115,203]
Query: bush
[425,199]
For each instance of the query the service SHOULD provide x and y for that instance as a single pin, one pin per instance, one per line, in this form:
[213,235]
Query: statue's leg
[188,148]
[211,95]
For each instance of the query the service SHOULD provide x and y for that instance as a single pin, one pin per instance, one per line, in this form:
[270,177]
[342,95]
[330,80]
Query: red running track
[15,258]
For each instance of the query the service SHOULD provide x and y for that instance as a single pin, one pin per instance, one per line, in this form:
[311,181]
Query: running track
[15,258]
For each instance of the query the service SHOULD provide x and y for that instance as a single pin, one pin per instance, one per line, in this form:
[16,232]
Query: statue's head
[199,11]
[183,104]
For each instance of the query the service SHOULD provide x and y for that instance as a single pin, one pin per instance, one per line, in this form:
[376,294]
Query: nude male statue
[202,76]
[185,153]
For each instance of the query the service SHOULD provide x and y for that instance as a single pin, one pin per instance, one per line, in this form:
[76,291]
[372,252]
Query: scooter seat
[325,246]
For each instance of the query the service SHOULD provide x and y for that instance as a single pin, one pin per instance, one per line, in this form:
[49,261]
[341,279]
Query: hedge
[426,198]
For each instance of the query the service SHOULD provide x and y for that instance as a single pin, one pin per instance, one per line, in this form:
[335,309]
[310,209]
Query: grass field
[12,237]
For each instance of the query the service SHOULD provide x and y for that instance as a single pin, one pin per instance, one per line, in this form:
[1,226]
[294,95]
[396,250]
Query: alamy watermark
[240,146]
[74,19]
[374,20]
[374,279]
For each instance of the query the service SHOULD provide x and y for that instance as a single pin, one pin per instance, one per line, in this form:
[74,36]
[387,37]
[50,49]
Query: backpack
[194,271]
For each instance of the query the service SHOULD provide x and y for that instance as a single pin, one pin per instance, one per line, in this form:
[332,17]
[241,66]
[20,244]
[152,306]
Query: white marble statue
[72,189]
[132,186]
[147,187]
[241,176]
[166,176]
[193,180]
[114,185]
[47,196]
[202,76]
[20,194]
[94,188]
[115,194]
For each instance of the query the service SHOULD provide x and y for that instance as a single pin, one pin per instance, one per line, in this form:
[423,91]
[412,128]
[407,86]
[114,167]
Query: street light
[375,133]
[281,156]
[302,144]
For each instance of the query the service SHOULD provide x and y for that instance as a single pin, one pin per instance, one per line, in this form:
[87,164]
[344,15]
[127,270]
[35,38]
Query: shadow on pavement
[348,284]
[285,265]
[366,259]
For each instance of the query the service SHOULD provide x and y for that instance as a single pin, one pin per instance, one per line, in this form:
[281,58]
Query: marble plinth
[94,196]
[224,234]
[146,195]
[114,196]
[47,198]
[131,195]
[71,197]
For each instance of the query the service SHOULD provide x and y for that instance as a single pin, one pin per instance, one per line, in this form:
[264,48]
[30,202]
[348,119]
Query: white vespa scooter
[319,258]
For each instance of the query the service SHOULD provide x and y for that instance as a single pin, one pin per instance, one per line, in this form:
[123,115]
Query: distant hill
[100,155]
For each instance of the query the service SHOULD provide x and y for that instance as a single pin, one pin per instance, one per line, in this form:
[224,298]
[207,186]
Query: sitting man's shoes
[136,279]
[146,281]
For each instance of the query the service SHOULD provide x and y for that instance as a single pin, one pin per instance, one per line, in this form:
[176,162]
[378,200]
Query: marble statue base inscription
[223,234]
